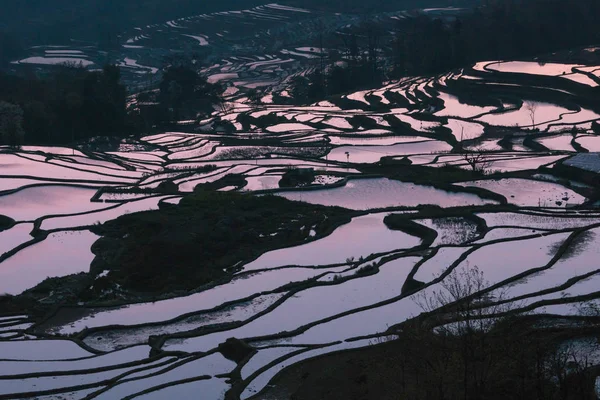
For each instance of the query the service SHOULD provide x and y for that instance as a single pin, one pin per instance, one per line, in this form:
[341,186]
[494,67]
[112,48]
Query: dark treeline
[70,104]
[499,29]
[73,104]
[183,94]
[102,21]
[11,48]
[495,30]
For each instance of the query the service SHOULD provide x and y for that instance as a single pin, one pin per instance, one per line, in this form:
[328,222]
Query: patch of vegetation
[367,269]
[511,362]
[441,178]
[235,349]
[70,104]
[394,161]
[263,122]
[203,238]
[37,301]
[458,229]
[295,177]
[183,93]
[236,180]
[5,222]
[361,121]
[421,174]
[464,346]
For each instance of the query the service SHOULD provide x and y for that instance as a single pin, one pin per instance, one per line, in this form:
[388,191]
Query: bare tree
[477,159]
[224,106]
[461,309]
[568,367]
[531,108]
[462,290]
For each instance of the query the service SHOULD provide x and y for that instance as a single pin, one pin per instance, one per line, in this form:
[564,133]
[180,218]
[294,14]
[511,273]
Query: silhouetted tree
[184,93]
[71,103]
[11,120]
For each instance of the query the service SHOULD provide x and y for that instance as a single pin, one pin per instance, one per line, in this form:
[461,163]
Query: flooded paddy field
[430,180]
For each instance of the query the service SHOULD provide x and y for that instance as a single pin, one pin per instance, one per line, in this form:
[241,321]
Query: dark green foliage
[73,104]
[262,122]
[361,73]
[363,121]
[497,30]
[422,174]
[70,104]
[235,349]
[235,180]
[167,187]
[183,93]
[200,240]
[297,177]
[10,48]
[300,88]
[426,45]
[367,269]
[11,124]
[254,96]
[513,360]
[392,161]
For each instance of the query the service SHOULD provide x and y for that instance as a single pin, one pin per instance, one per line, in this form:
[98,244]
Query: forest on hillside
[42,22]
[73,104]
[495,30]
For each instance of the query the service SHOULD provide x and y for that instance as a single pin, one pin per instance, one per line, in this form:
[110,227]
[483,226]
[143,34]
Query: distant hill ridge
[56,21]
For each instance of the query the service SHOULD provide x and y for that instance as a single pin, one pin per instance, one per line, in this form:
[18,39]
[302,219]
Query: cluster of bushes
[72,104]
[465,345]
[295,177]
[185,246]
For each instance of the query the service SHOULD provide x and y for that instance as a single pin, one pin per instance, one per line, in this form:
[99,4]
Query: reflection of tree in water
[577,246]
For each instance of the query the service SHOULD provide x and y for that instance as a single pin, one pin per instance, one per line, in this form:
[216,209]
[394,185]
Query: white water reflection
[364,194]
[363,236]
[61,254]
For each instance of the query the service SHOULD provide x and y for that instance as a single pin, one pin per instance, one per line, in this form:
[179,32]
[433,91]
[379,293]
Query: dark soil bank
[515,360]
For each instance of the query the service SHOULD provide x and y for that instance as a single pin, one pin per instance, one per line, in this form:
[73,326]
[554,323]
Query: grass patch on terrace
[202,239]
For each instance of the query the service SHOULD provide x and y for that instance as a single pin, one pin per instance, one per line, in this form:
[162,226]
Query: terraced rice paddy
[519,221]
